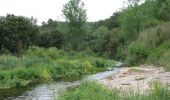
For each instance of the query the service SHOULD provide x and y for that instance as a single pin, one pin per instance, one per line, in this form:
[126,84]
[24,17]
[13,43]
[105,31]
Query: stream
[50,91]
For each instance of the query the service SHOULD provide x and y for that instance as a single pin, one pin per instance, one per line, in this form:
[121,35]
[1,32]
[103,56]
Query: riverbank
[45,65]
[135,83]
[53,90]
[137,78]
[95,91]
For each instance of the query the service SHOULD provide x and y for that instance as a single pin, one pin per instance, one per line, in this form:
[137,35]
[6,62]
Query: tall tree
[75,15]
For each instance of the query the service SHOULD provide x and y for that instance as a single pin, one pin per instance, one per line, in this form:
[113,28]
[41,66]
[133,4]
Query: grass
[91,91]
[44,65]
[95,91]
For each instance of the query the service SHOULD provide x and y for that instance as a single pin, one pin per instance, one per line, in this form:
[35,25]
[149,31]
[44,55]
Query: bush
[45,75]
[121,53]
[137,53]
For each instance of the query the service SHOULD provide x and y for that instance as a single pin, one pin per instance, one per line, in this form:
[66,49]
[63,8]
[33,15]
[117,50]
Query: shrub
[89,68]
[121,53]
[137,53]
[45,74]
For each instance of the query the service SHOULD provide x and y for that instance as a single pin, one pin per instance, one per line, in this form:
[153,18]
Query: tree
[133,2]
[111,41]
[137,17]
[52,38]
[99,35]
[51,34]
[130,22]
[75,15]
[2,33]
[17,32]
[164,10]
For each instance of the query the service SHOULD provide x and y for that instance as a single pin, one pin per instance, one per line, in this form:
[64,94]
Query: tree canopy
[75,14]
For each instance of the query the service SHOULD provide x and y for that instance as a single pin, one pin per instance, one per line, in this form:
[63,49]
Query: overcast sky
[45,9]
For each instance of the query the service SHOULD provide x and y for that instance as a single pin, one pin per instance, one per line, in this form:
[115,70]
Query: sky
[45,9]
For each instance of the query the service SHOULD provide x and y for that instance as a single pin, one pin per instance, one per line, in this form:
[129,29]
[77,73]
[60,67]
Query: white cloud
[45,9]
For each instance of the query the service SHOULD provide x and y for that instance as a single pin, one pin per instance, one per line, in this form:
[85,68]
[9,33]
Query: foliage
[52,34]
[163,9]
[137,53]
[44,65]
[17,33]
[99,35]
[111,22]
[160,55]
[159,34]
[75,14]
[112,40]
[51,39]
[135,18]
[156,41]
[45,75]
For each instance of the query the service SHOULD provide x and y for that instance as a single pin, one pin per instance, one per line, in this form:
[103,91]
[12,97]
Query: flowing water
[49,91]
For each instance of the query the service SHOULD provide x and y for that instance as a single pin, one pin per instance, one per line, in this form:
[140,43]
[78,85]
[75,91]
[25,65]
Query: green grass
[44,65]
[95,91]
[91,91]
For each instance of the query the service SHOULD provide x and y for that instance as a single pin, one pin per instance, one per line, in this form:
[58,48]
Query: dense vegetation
[95,91]
[43,65]
[16,33]
[137,34]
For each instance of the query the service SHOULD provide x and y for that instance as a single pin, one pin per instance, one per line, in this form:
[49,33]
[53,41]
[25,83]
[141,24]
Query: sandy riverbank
[137,78]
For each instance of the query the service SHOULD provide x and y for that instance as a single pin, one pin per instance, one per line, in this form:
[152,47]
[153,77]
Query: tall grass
[152,46]
[161,55]
[153,37]
[95,91]
[157,41]
[44,65]
[91,91]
